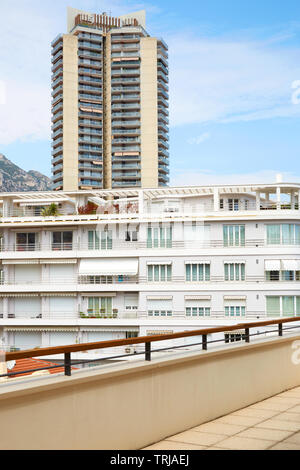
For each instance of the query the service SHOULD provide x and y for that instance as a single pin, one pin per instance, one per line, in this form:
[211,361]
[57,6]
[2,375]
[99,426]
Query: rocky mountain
[14,179]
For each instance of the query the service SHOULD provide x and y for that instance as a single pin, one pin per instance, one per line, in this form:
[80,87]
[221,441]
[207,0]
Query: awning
[18,295]
[58,294]
[40,328]
[197,297]
[159,297]
[58,261]
[110,330]
[108,267]
[98,294]
[289,264]
[235,297]
[152,263]
[272,264]
[20,261]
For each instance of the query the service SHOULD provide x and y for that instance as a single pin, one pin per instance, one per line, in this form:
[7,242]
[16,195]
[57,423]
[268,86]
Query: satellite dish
[10,364]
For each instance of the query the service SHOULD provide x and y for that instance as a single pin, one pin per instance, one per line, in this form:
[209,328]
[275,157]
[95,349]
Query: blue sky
[234,113]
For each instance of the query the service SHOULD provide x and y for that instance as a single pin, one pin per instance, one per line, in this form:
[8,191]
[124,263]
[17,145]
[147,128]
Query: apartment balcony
[87,52]
[125,115]
[58,90]
[57,107]
[162,76]
[56,56]
[125,106]
[57,81]
[125,72]
[56,66]
[124,124]
[162,117]
[84,80]
[58,46]
[125,98]
[125,80]
[171,382]
[82,44]
[90,37]
[86,72]
[57,151]
[95,89]
[129,132]
[57,159]
[125,89]
[57,133]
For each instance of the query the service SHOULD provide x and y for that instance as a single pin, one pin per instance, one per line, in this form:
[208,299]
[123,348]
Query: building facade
[110,104]
[89,266]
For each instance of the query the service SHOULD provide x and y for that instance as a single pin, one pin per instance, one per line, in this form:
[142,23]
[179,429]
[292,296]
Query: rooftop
[272,424]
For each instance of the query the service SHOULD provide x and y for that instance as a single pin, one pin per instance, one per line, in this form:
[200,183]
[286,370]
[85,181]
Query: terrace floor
[272,424]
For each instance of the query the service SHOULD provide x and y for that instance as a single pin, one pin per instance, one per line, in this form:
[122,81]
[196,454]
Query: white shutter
[62,307]
[159,304]
[62,338]
[29,307]
[27,339]
[27,273]
[60,272]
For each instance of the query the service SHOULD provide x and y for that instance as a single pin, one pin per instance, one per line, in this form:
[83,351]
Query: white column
[278,198]
[293,200]
[141,202]
[5,307]
[216,200]
[258,200]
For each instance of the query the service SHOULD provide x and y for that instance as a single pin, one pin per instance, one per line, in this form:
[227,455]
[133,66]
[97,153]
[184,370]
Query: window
[233,337]
[100,305]
[62,240]
[272,275]
[159,313]
[235,311]
[100,240]
[131,334]
[131,236]
[283,306]
[159,272]
[283,234]
[197,311]
[234,271]
[159,237]
[25,241]
[197,272]
[233,204]
[1,276]
[234,235]
[283,275]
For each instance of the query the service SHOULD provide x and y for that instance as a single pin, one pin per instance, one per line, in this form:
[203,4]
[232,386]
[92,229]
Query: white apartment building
[87,266]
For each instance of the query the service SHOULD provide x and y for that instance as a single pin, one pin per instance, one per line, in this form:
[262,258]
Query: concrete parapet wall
[134,405]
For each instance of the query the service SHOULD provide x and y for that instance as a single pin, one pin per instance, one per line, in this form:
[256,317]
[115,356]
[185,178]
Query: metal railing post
[247,335]
[204,342]
[148,351]
[68,364]
[280,329]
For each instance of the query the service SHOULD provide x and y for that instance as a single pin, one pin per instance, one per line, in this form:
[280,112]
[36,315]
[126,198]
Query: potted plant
[50,211]
[115,313]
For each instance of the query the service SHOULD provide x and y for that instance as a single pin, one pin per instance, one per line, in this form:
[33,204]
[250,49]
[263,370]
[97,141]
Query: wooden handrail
[10,356]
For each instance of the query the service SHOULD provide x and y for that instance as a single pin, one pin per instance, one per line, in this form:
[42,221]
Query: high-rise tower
[110,104]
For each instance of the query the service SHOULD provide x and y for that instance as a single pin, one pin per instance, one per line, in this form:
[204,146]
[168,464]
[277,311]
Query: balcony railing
[147,351]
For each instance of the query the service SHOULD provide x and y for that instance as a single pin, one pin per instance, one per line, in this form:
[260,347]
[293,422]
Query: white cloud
[25,61]
[199,139]
[222,80]
[198,177]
